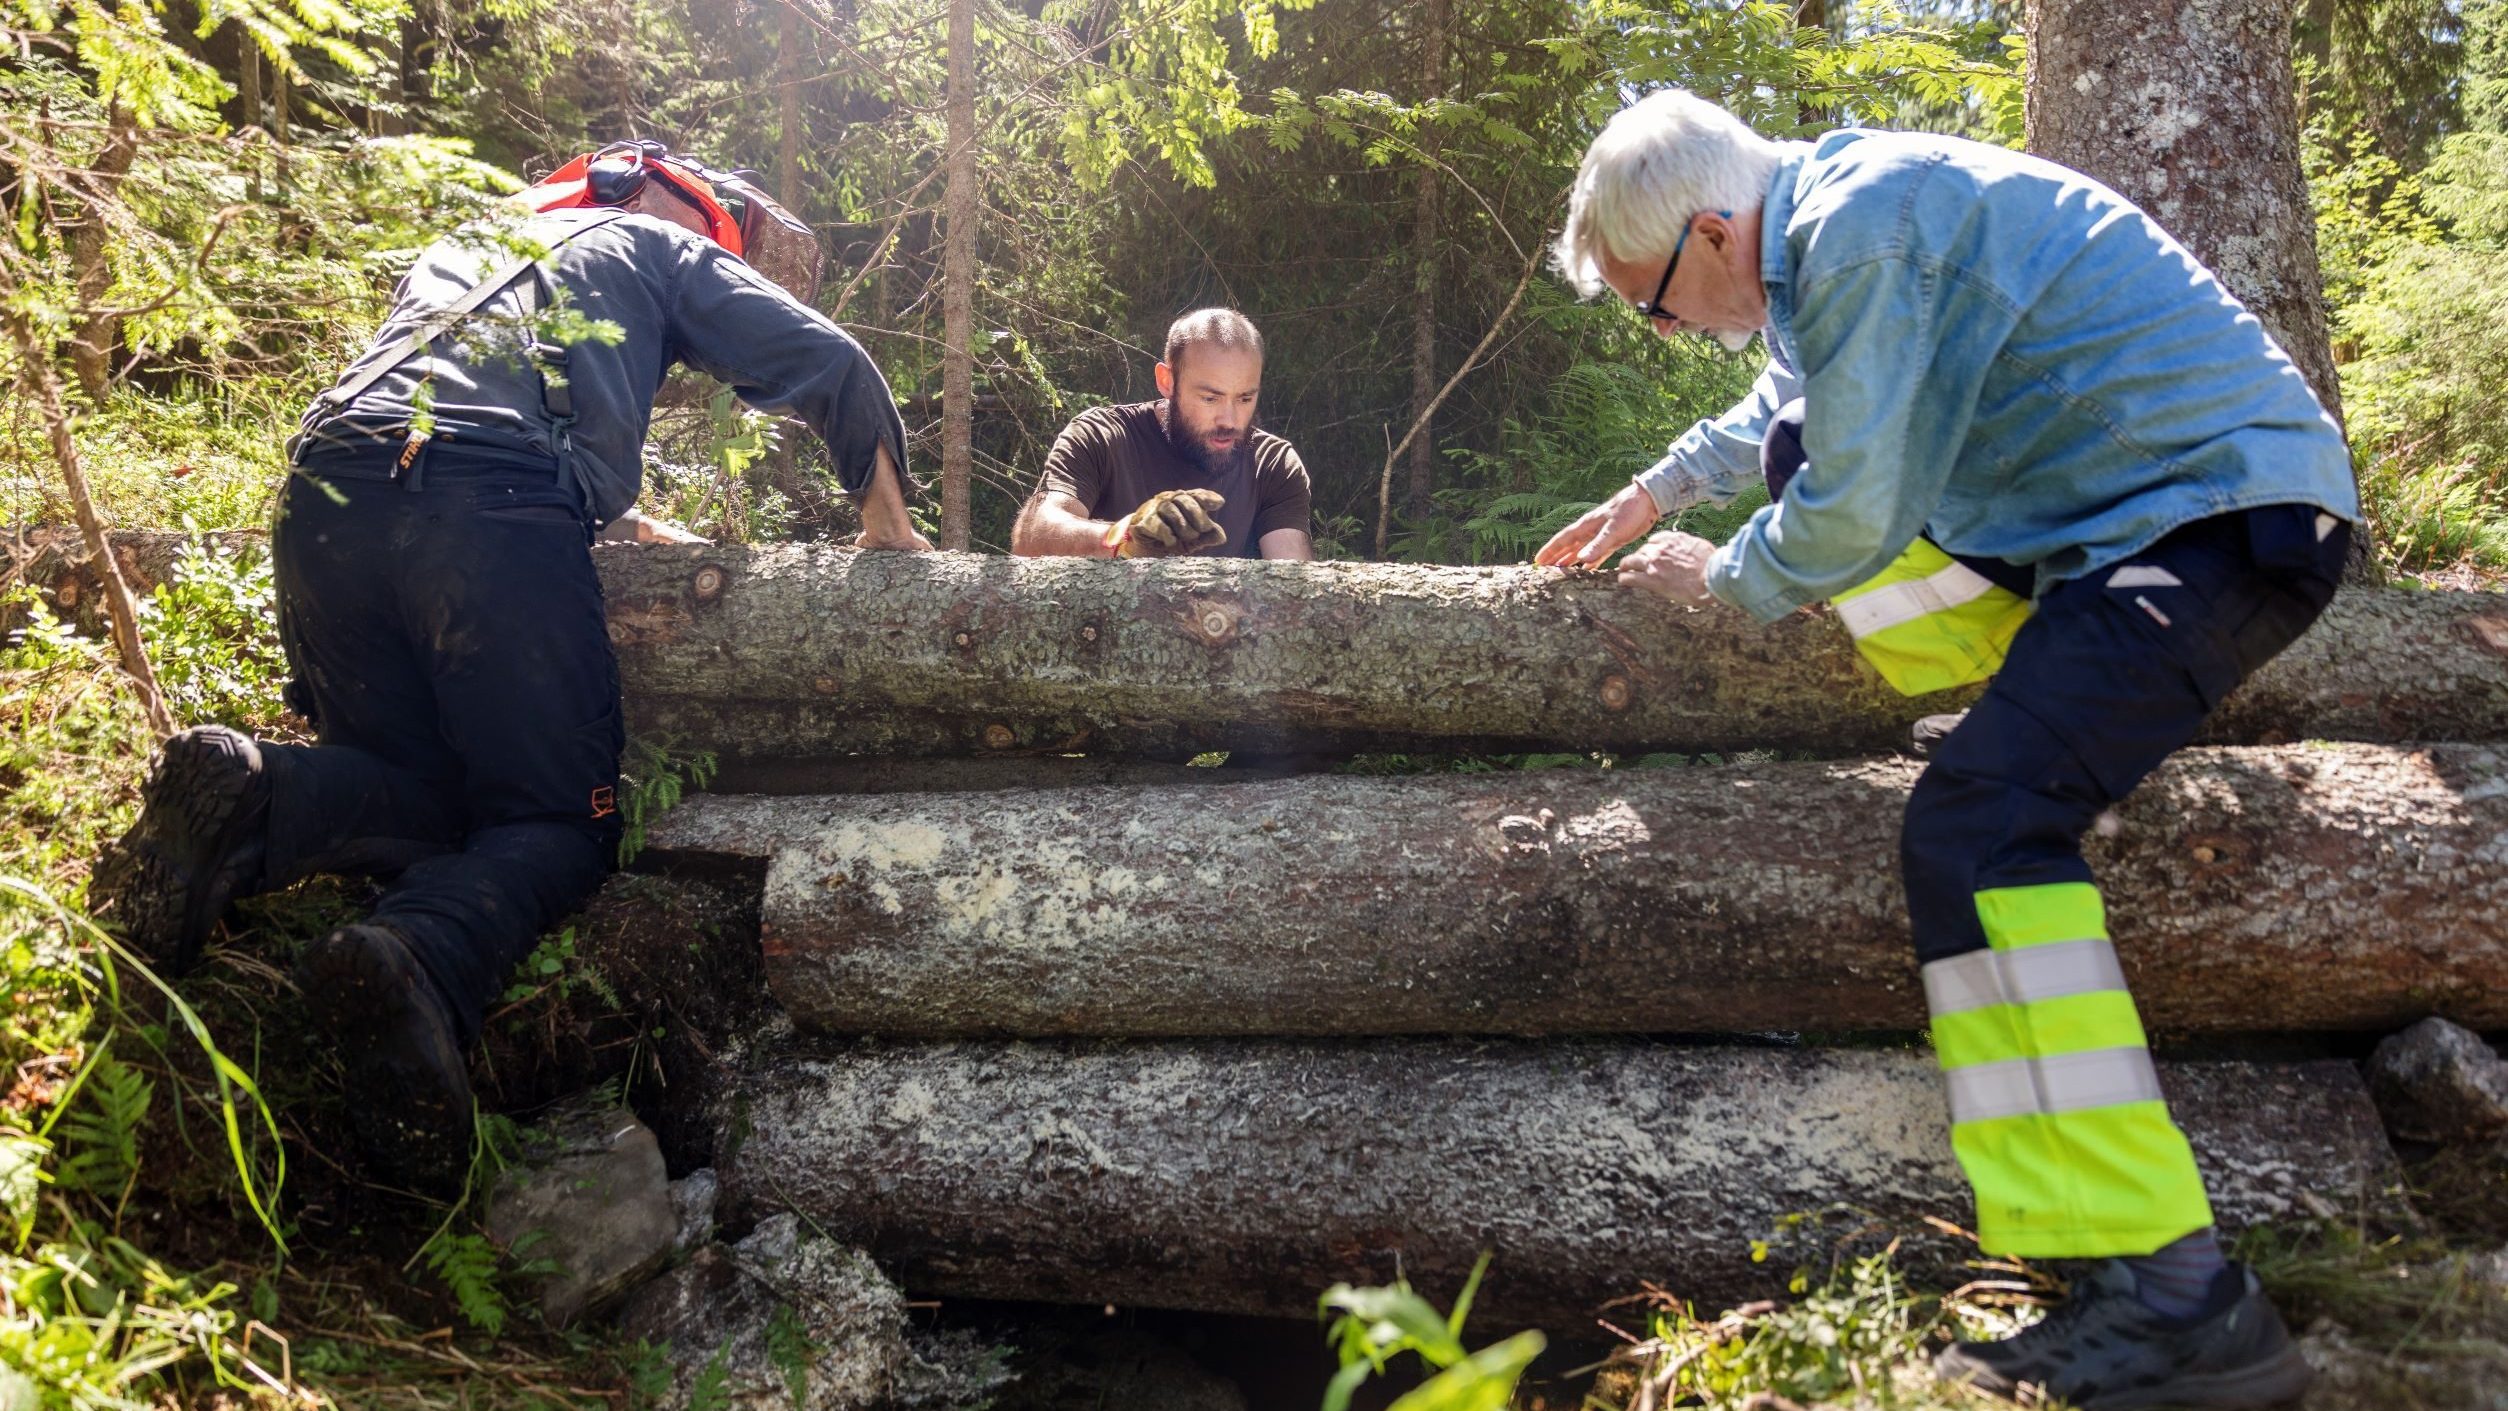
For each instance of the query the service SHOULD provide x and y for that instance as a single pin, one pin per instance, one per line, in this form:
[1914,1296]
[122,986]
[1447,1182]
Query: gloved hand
[1170,522]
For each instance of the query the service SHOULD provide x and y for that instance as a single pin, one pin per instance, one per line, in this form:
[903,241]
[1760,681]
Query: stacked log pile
[1091,1029]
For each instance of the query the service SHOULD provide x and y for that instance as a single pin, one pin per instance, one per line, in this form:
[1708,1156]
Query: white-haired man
[2002,365]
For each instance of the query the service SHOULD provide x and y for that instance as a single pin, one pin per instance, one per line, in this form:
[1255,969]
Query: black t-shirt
[1113,459]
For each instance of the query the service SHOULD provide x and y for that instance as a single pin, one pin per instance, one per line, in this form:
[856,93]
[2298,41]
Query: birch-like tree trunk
[958,287]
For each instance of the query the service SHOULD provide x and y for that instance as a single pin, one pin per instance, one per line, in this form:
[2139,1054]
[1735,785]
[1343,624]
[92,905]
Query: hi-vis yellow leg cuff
[2056,1112]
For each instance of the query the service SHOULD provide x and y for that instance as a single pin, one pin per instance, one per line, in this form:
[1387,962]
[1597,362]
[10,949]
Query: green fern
[101,1135]
[711,1391]
[466,1263]
[792,1352]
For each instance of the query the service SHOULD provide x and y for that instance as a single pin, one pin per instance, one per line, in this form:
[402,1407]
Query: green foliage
[554,967]
[653,779]
[789,1349]
[1373,1326]
[466,1263]
[1840,1339]
[100,1135]
[212,632]
[710,1390]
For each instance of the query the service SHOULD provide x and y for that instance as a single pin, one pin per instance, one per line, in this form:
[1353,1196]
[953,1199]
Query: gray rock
[784,1321]
[2438,1082]
[2352,1377]
[692,1198]
[590,1200]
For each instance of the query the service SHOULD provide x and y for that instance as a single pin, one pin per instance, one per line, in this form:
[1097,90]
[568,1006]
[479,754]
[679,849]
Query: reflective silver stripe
[2022,976]
[2069,1082]
[1939,591]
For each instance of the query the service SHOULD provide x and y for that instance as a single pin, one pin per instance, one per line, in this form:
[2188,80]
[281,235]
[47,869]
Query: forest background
[207,203]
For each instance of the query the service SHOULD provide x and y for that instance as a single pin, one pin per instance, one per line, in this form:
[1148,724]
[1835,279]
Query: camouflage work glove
[1170,522]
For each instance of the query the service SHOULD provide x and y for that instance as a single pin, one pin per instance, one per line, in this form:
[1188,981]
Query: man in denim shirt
[2012,385]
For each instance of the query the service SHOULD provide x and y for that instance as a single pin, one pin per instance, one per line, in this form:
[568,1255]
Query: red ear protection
[616,174]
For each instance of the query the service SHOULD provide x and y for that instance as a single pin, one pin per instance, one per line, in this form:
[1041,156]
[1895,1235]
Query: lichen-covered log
[1247,1177]
[796,652]
[2255,889]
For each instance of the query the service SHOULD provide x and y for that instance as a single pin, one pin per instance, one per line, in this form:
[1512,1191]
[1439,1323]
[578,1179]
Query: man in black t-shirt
[1186,474]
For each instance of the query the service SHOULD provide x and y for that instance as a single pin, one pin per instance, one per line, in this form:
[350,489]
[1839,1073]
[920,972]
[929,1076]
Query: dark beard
[1189,448]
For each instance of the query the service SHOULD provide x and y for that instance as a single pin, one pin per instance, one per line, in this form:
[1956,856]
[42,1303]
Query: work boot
[408,1088]
[196,847]
[2105,1350]
[1931,731]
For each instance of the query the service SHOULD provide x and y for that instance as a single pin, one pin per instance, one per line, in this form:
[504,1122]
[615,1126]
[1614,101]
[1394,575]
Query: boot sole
[2283,1379]
[408,1089]
[164,906]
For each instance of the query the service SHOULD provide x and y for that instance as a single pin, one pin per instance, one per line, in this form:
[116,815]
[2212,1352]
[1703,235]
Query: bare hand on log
[1601,531]
[885,523]
[1171,522]
[1672,565]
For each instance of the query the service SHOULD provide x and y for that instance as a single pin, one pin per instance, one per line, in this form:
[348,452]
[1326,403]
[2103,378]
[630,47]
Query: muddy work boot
[408,1088]
[196,847]
[2105,1350]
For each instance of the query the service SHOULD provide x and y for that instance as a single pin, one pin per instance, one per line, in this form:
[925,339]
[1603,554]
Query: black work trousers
[448,643]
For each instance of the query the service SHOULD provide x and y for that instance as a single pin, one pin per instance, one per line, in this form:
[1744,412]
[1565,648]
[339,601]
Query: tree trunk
[1247,1177]
[2189,109]
[793,652]
[1425,259]
[788,107]
[248,87]
[958,287]
[97,335]
[121,611]
[2265,890]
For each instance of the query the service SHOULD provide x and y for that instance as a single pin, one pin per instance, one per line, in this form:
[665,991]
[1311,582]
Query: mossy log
[2257,889]
[796,652]
[1247,1177]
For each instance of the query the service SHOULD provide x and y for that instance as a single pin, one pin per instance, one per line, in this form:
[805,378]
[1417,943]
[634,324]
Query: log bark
[2261,890]
[796,652]
[1247,1177]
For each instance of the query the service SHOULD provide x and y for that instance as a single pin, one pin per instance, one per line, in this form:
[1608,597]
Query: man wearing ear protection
[439,607]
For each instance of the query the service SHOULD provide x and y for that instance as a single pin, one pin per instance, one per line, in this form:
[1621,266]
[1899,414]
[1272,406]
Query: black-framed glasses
[1653,308]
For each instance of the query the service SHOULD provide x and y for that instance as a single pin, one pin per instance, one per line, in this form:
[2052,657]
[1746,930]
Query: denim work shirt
[2000,353]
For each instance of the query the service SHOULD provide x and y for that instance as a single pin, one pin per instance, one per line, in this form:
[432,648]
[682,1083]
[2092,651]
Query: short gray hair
[1657,164]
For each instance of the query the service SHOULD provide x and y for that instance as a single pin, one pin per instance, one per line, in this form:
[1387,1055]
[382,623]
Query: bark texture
[2262,890]
[959,200]
[1246,1177]
[2189,109]
[799,652]
[1424,251]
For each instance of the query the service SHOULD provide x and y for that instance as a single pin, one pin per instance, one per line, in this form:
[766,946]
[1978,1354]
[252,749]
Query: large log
[2260,889]
[793,652]
[1246,1177]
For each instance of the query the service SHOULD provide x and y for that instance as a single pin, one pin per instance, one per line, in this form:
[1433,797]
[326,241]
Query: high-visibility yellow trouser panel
[1929,622]
[2056,1113]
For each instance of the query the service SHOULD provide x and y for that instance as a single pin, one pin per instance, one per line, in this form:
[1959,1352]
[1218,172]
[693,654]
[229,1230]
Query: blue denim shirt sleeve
[1887,426]
[1719,457]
